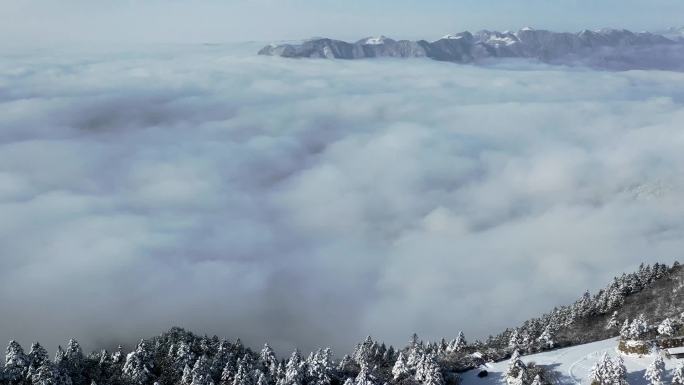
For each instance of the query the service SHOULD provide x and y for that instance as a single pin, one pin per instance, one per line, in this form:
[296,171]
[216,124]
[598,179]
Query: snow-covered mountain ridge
[617,48]
[648,303]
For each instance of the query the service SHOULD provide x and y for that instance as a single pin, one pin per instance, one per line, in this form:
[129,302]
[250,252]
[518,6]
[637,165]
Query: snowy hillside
[573,365]
[647,303]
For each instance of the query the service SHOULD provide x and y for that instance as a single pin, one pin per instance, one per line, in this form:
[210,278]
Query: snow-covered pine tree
[228,373]
[243,375]
[619,371]
[517,380]
[326,359]
[625,333]
[654,371]
[615,295]
[365,352]
[46,374]
[16,363]
[186,377]
[613,323]
[321,368]
[262,379]
[428,371]
[459,343]
[678,374]
[602,371]
[201,372]
[74,353]
[515,341]
[118,357]
[666,328]
[61,366]
[364,377]
[184,356]
[349,381]
[280,376]
[219,360]
[346,365]
[414,341]
[400,370]
[516,369]
[139,365]
[583,307]
[638,328]
[293,370]
[537,380]
[75,361]
[545,340]
[37,357]
[268,360]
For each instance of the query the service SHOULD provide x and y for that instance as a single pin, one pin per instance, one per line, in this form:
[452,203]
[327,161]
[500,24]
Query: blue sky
[48,21]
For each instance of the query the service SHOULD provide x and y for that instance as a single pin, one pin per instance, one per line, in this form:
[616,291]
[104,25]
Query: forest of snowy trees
[637,305]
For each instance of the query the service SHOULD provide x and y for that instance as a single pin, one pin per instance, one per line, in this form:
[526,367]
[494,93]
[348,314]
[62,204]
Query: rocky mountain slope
[605,47]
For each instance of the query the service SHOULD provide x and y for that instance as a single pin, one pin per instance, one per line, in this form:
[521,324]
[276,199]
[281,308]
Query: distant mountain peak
[605,47]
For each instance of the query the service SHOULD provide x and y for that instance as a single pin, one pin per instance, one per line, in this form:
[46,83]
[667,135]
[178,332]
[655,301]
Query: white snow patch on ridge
[375,40]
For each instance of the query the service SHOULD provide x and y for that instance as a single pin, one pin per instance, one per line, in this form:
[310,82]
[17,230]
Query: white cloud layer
[312,202]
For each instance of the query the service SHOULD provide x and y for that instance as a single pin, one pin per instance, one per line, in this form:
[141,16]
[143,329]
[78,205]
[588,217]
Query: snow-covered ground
[572,365]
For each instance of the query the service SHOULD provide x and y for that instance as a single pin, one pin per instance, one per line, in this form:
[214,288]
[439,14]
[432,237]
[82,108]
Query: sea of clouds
[313,202]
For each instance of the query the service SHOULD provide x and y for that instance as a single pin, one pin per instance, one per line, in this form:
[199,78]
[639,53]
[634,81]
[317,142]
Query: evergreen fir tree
[666,328]
[537,380]
[74,362]
[602,371]
[517,380]
[262,379]
[228,373]
[638,328]
[36,357]
[46,374]
[201,372]
[243,375]
[186,377]
[218,362]
[619,372]
[346,365]
[428,371]
[139,365]
[293,370]
[364,377]
[268,360]
[320,368]
[612,322]
[459,343]
[625,332]
[516,369]
[655,371]
[118,356]
[678,374]
[515,341]
[16,363]
[400,370]
[545,340]
[184,356]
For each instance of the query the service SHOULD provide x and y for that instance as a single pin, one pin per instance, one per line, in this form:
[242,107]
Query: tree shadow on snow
[637,378]
[554,375]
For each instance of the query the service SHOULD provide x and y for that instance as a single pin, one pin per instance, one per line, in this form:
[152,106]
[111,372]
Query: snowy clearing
[572,365]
